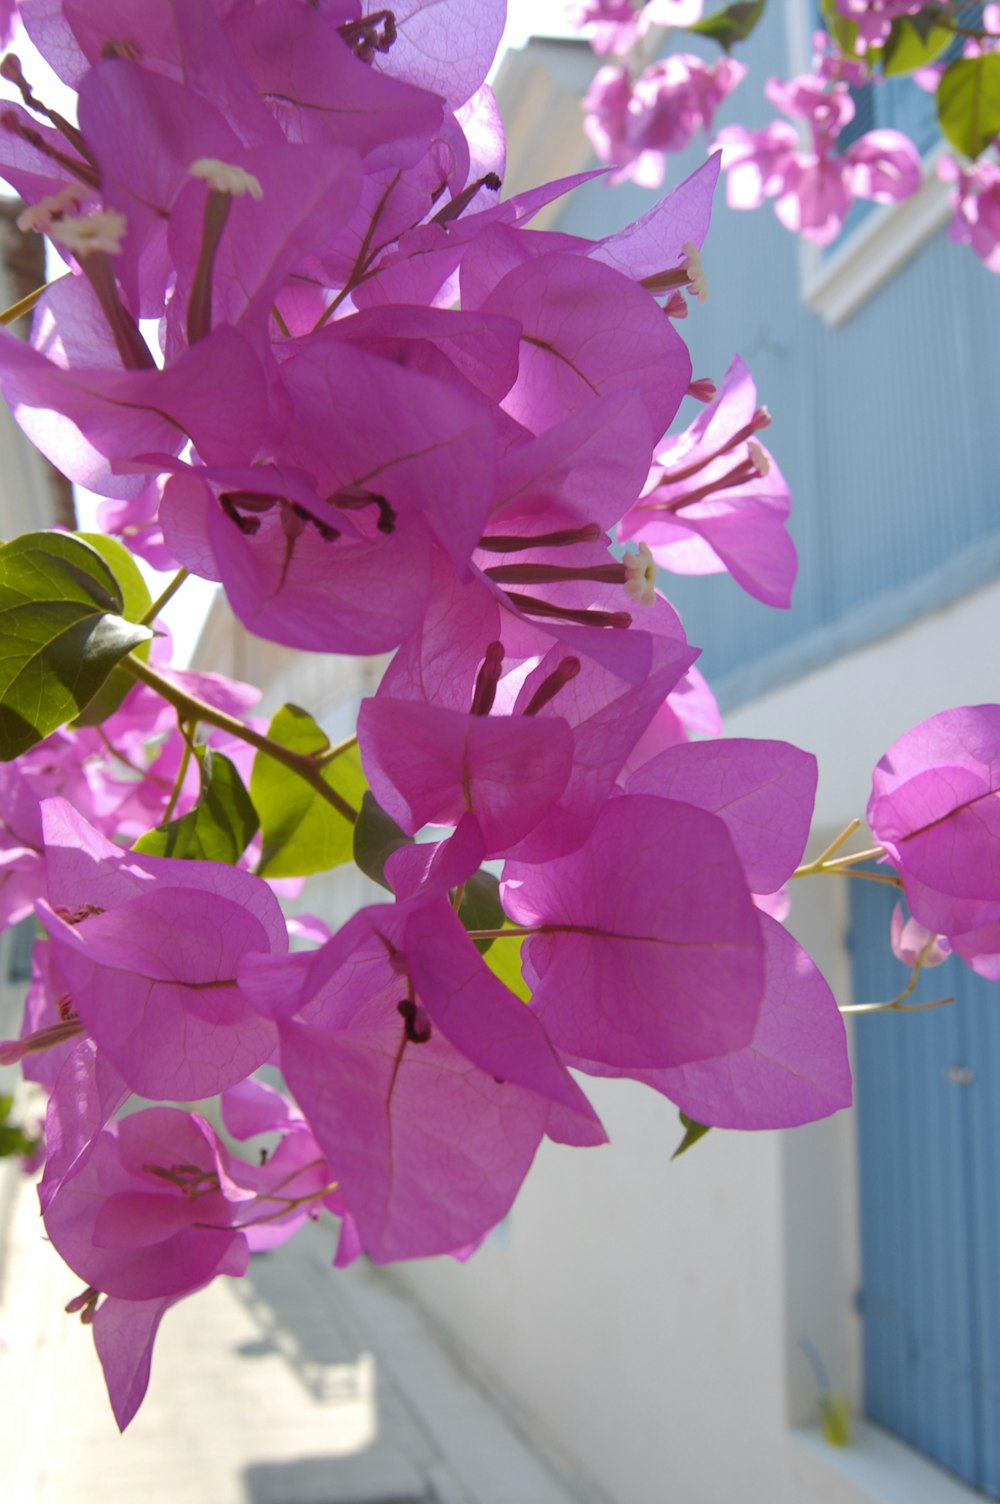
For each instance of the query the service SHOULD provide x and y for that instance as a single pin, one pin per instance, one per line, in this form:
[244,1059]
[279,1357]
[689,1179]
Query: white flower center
[696,272]
[640,576]
[224,177]
[761,463]
[39,217]
[95,232]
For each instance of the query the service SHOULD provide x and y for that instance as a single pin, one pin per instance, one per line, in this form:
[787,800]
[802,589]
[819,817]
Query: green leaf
[376,837]
[692,1133]
[913,42]
[504,960]
[136,602]
[13,1140]
[734,24]
[835,1418]
[968,102]
[221,825]
[61,634]
[480,907]
[843,31]
[301,832]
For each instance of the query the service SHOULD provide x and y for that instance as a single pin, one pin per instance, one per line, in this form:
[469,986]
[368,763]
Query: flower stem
[25,305]
[193,709]
[509,932]
[161,600]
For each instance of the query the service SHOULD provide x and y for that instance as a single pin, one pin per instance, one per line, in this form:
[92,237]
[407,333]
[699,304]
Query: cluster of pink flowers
[632,122]
[637,111]
[301,197]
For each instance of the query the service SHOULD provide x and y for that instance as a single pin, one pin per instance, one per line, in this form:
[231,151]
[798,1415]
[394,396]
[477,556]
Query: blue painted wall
[887,428]
[928,1103]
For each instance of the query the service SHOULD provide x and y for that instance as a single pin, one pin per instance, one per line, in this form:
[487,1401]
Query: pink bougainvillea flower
[762,790]
[715,499]
[650,951]
[128,1221]
[586,330]
[755,162]
[145,1219]
[689,709]
[935,810]
[149,947]
[428,765]
[426,1083]
[76,403]
[912,943]
[659,239]
[976,205]
[795,1068]
[632,122]
[605,681]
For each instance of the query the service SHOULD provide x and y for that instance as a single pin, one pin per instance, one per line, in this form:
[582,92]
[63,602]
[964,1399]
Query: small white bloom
[39,217]
[224,177]
[640,576]
[95,232]
[761,463]
[698,282]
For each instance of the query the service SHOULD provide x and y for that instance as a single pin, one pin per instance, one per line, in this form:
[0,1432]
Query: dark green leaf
[734,24]
[968,102]
[61,634]
[136,602]
[913,42]
[301,832]
[480,907]
[221,825]
[376,837]
[692,1133]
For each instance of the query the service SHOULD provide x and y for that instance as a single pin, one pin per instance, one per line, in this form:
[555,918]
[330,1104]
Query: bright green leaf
[13,1140]
[301,832]
[968,102]
[913,42]
[136,602]
[692,1133]
[504,960]
[843,31]
[734,24]
[61,634]
[376,837]
[221,825]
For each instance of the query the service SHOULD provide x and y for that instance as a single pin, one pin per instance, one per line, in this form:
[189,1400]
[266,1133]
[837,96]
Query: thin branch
[193,709]
[161,600]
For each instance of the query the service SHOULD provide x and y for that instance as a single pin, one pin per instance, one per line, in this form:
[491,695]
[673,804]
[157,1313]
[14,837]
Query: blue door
[928,1102]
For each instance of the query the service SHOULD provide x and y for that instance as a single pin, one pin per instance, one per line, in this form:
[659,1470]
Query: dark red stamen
[550,574]
[457,205]
[532,606]
[82,170]
[199,313]
[132,348]
[487,680]
[10,68]
[737,476]
[513,543]
[365,37]
[550,686]
[354,499]
[416,1023]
